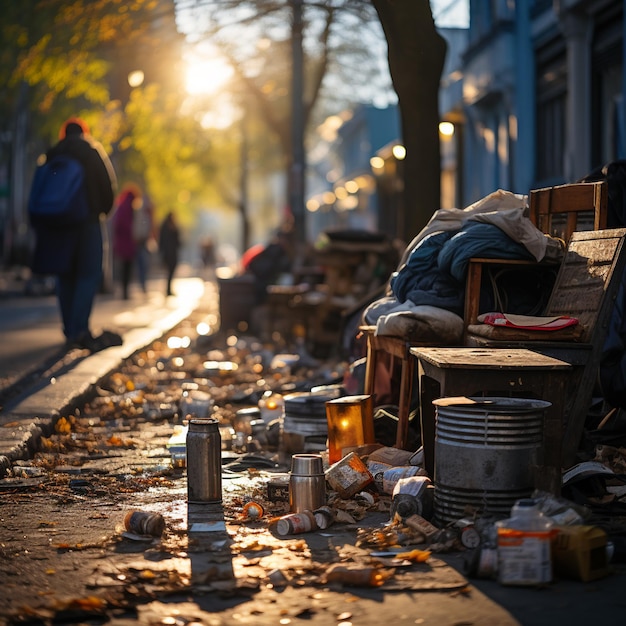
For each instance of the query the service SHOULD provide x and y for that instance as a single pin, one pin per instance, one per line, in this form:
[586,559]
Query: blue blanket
[436,268]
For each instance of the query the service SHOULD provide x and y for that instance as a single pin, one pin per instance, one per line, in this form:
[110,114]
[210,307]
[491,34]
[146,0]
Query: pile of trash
[254,395]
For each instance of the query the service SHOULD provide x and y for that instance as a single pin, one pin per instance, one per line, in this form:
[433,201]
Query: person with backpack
[72,192]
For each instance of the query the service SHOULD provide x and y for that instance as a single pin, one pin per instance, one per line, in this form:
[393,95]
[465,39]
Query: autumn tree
[337,60]
[416,53]
[338,67]
[62,58]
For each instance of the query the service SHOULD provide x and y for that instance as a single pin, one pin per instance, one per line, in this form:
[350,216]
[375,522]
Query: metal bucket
[485,453]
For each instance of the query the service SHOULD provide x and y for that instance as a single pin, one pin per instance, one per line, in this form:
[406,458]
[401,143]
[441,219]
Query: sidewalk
[143,321]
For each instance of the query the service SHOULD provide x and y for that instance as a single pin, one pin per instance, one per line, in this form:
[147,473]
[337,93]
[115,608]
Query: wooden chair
[557,211]
[398,348]
[586,287]
[562,210]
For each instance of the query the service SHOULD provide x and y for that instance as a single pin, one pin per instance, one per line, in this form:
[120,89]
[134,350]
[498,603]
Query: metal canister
[307,483]
[324,517]
[204,461]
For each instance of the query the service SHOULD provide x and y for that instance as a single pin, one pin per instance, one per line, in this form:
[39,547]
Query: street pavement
[30,324]
[142,321]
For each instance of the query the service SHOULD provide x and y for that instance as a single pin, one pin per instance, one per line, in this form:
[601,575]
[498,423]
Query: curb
[35,417]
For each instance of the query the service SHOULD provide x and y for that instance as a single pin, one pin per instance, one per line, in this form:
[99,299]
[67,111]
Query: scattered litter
[144,523]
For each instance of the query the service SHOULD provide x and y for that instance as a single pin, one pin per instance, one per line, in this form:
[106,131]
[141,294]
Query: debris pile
[376,526]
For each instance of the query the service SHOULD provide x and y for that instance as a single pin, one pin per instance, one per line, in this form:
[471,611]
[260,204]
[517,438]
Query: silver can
[204,461]
[307,483]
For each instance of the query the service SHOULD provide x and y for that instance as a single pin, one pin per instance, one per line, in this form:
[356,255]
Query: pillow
[423,324]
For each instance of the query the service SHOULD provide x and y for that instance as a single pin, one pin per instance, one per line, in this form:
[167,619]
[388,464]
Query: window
[551,90]
[607,87]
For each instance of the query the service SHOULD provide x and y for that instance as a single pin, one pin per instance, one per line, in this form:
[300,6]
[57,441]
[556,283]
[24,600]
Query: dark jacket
[169,241]
[100,177]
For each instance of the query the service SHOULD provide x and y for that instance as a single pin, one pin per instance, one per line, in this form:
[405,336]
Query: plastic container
[524,545]
[580,552]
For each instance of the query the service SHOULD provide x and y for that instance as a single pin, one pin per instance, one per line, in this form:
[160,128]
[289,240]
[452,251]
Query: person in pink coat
[124,244]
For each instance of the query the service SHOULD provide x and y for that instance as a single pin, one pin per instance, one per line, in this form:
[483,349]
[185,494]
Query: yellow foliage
[63,426]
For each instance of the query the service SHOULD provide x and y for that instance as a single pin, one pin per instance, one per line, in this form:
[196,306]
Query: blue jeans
[76,289]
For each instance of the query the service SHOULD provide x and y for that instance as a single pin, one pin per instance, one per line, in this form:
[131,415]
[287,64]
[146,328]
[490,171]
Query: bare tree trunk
[416,53]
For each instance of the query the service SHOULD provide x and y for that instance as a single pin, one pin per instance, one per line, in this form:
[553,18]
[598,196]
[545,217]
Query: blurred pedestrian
[124,244]
[75,254]
[266,262]
[169,245]
[145,240]
[208,255]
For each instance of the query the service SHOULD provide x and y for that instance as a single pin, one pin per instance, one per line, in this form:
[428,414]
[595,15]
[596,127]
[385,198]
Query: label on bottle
[524,557]
[393,475]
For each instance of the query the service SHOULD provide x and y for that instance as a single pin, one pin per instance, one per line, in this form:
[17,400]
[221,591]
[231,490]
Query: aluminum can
[324,517]
[144,523]
[204,461]
[296,523]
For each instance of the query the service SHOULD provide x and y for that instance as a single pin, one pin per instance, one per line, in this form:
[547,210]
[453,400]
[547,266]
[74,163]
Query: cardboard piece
[579,552]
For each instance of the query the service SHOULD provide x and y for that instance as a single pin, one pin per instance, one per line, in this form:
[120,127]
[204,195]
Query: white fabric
[455,219]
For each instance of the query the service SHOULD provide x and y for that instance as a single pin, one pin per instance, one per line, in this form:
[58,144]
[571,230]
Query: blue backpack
[58,197]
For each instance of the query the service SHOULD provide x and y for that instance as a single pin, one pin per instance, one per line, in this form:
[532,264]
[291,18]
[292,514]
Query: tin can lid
[283,527]
[203,423]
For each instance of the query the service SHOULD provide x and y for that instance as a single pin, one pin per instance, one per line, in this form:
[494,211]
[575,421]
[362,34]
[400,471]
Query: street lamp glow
[312,205]
[341,193]
[328,197]
[446,129]
[399,151]
[377,163]
[352,186]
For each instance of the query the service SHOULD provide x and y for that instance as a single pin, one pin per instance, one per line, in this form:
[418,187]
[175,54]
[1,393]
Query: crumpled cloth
[433,269]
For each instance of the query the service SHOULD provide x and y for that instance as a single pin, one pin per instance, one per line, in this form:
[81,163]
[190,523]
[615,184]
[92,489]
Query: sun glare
[206,75]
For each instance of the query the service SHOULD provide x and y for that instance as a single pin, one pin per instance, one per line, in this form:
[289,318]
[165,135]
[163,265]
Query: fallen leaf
[416,556]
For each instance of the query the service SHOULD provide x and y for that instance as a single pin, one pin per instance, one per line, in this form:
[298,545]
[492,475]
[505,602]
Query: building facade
[542,97]
[531,96]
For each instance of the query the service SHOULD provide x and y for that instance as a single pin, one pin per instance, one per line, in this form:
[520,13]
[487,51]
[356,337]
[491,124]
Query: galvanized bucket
[486,450]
